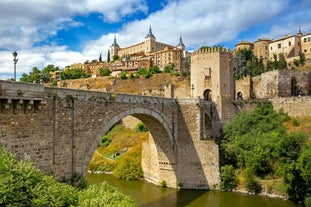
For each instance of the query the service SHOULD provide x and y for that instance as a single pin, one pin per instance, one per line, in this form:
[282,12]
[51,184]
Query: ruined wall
[277,83]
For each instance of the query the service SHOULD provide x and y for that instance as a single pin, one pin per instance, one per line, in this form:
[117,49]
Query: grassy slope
[123,139]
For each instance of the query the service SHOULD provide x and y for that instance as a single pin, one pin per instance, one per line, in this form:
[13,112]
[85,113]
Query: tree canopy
[37,75]
[255,142]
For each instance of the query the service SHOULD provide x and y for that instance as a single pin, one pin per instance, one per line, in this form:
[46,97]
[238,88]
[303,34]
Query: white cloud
[24,24]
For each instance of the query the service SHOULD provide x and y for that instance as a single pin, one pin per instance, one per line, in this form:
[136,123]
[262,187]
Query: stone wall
[59,130]
[294,106]
[273,84]
[243,86]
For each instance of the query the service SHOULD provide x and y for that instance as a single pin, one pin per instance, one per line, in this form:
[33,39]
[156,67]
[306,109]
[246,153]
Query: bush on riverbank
[257,145]
[21,184]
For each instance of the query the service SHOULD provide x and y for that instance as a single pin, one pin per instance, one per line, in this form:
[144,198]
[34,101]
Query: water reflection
[149,195]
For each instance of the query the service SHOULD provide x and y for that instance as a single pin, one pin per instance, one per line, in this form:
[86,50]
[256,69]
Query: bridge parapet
[16,97]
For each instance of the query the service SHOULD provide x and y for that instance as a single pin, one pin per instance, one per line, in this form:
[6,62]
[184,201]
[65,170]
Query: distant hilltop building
[150,53]
[290,45]
[141,55]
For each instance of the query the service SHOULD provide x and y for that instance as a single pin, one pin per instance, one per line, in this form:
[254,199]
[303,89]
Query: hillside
[130,86]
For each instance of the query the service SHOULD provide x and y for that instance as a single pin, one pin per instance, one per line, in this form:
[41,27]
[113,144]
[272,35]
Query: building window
[271,48]
[279,45]
[309,39]
[305,51]
[304,39]
[289,43]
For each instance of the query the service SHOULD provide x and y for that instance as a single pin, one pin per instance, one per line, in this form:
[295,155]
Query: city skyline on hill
[62,33]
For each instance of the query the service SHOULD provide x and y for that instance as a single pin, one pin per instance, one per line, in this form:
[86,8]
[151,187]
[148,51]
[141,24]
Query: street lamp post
[15,61]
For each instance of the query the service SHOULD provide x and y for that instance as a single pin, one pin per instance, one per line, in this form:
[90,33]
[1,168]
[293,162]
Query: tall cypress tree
[108,56]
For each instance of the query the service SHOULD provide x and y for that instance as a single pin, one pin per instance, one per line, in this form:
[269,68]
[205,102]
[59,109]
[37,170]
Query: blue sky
[65,32]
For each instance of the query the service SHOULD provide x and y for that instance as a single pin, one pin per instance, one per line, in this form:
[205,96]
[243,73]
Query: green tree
[108,56]
[282,64]
[115,57]
[185,66]
[74,73]
[123,75]
[154,70]
[104,71]
[169,68]
[304,164]
[33,76]
[228,178]
[302,58]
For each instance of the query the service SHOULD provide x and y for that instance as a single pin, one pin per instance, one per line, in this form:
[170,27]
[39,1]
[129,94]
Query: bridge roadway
[59,129]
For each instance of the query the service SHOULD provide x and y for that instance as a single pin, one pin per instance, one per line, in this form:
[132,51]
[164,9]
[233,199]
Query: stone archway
[159,153]
[239,96]
[207,95]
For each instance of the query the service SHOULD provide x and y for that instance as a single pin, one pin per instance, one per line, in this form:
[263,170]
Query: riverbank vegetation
[260,154]
[21,184]
[119,152]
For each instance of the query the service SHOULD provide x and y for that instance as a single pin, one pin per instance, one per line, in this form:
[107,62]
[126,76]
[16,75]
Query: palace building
[149,53]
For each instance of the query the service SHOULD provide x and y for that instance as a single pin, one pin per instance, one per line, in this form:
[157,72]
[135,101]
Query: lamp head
[14,54]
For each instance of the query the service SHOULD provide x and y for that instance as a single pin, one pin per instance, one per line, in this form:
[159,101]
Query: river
[149,195]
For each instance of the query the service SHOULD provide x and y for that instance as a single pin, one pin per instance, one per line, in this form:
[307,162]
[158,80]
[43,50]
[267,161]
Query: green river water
[149,195]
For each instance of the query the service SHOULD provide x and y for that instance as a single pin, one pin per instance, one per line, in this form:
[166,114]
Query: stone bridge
[59,130]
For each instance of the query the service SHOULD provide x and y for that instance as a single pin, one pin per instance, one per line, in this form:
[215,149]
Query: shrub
[24,185]
[104,71]
[250,182]
[105,141]
[163,184]
[140,127]
[295,122]
[103,195]
[123,75]
[129,167]
[228,178]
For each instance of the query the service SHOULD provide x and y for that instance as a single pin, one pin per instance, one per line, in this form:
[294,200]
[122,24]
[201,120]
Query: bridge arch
[162,141]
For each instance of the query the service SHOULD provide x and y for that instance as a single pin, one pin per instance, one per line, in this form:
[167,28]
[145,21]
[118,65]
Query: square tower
[212,79]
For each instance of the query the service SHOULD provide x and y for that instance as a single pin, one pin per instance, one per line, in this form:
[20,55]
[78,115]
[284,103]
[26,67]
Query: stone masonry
[59,130]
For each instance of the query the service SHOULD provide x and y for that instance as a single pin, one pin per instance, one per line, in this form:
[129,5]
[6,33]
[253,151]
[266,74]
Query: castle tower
[181,44]
[212,79]
[150,42]
[114,48]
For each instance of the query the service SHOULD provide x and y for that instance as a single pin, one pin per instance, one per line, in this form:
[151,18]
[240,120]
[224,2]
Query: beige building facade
[261,49]
[150,53]
[289,45]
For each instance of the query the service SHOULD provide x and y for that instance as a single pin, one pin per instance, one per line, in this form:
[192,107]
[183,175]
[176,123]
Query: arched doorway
[207,95]
[239,96]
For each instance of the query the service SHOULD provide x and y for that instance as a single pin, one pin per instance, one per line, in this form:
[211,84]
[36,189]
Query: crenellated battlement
[210,50]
